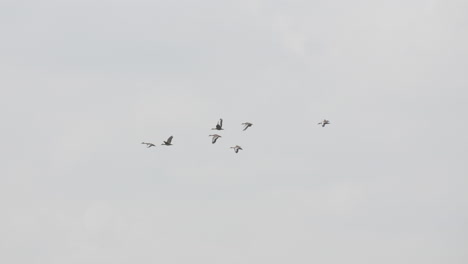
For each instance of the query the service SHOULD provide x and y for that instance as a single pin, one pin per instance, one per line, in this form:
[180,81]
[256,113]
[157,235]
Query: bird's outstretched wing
[169,140]
[214,140]
[220,122]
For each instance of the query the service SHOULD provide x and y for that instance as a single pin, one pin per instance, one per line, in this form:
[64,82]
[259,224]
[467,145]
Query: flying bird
[247,125]
[149,145]
[215,137]
[324,122]
[219,126]
[168,141]
[236,148]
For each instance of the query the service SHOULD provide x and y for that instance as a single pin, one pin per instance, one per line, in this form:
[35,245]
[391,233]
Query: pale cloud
[86,81]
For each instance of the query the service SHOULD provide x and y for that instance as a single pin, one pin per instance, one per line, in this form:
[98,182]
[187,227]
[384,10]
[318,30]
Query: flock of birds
[219,126]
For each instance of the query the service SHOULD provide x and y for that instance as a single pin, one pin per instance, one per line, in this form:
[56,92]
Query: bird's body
[168,141]
[219,126]
[324,122]
[246,125]
[237,148]
[149,145]
[215,137]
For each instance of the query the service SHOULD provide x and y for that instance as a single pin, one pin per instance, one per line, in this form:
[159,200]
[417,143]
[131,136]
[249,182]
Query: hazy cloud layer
[84,82]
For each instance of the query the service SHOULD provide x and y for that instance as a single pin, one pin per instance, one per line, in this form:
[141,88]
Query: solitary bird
[236,148]
[149,144]
[324,122]
[215,137]
[168,142]
[247,125]
[219,126]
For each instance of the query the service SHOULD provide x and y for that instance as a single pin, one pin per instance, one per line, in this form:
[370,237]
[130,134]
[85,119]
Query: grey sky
[85,82]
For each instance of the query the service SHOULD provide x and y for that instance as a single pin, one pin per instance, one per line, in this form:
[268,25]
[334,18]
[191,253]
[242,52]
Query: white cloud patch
[85,82]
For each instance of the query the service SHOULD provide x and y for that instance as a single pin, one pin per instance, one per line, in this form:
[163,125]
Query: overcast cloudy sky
[85,82]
